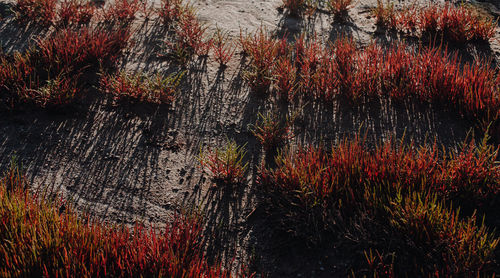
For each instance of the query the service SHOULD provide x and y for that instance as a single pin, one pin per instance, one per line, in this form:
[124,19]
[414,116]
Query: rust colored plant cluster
[295,7]
[271,132]
[73,12]
[83,49]
[39,239]
[404,189]
[223,49]
[307,69]
[458,24]
[339,8]
[43,11]
[121,11]
[470,175]
[263,51]
[46,12]
[187,35]
[49,73]
[225,164]
[172,11]
[141,87]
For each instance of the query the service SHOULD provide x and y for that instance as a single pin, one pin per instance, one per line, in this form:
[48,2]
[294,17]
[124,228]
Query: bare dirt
[139,162]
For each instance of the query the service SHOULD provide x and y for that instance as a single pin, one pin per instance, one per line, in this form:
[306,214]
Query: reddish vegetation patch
[172,11]
[286,76]
[22,81]
[223,48]
[470,175]
[47,12]
[263,51]
[73,12]
[295,7]
[226,164]
[458,24]
[188,38]
[339,8]
[121,11]
[40,238]
[49,74]
[87,47]
[43,11]
[429,75]
[140,87]
[271,132]
[318,191]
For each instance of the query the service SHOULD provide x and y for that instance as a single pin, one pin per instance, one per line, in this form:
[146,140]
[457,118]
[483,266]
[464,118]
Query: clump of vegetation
[49,74]
[285,74]
[271,132]
[141,87]
[385,14]
[465,246]
[121,11]
[172,11]
[47,12]
[225,165]
[74,12]
[310,71]
[263,52]
[458,24]
[43,11]
[53,92]
[188,39]
[22,81]
[223,49]
[295,7]
[15,71]
[339,8]
[84,49]
[298,8]
[187,35]
[38,238]
[404,192]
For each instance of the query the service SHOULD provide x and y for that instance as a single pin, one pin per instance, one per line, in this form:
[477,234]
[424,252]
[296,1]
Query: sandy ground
[140,162]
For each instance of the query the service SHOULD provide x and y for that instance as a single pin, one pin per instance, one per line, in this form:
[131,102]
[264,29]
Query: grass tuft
[225,164]
[271,132]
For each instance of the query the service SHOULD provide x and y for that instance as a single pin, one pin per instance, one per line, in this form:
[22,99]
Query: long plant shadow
[16,35]
[224,207]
